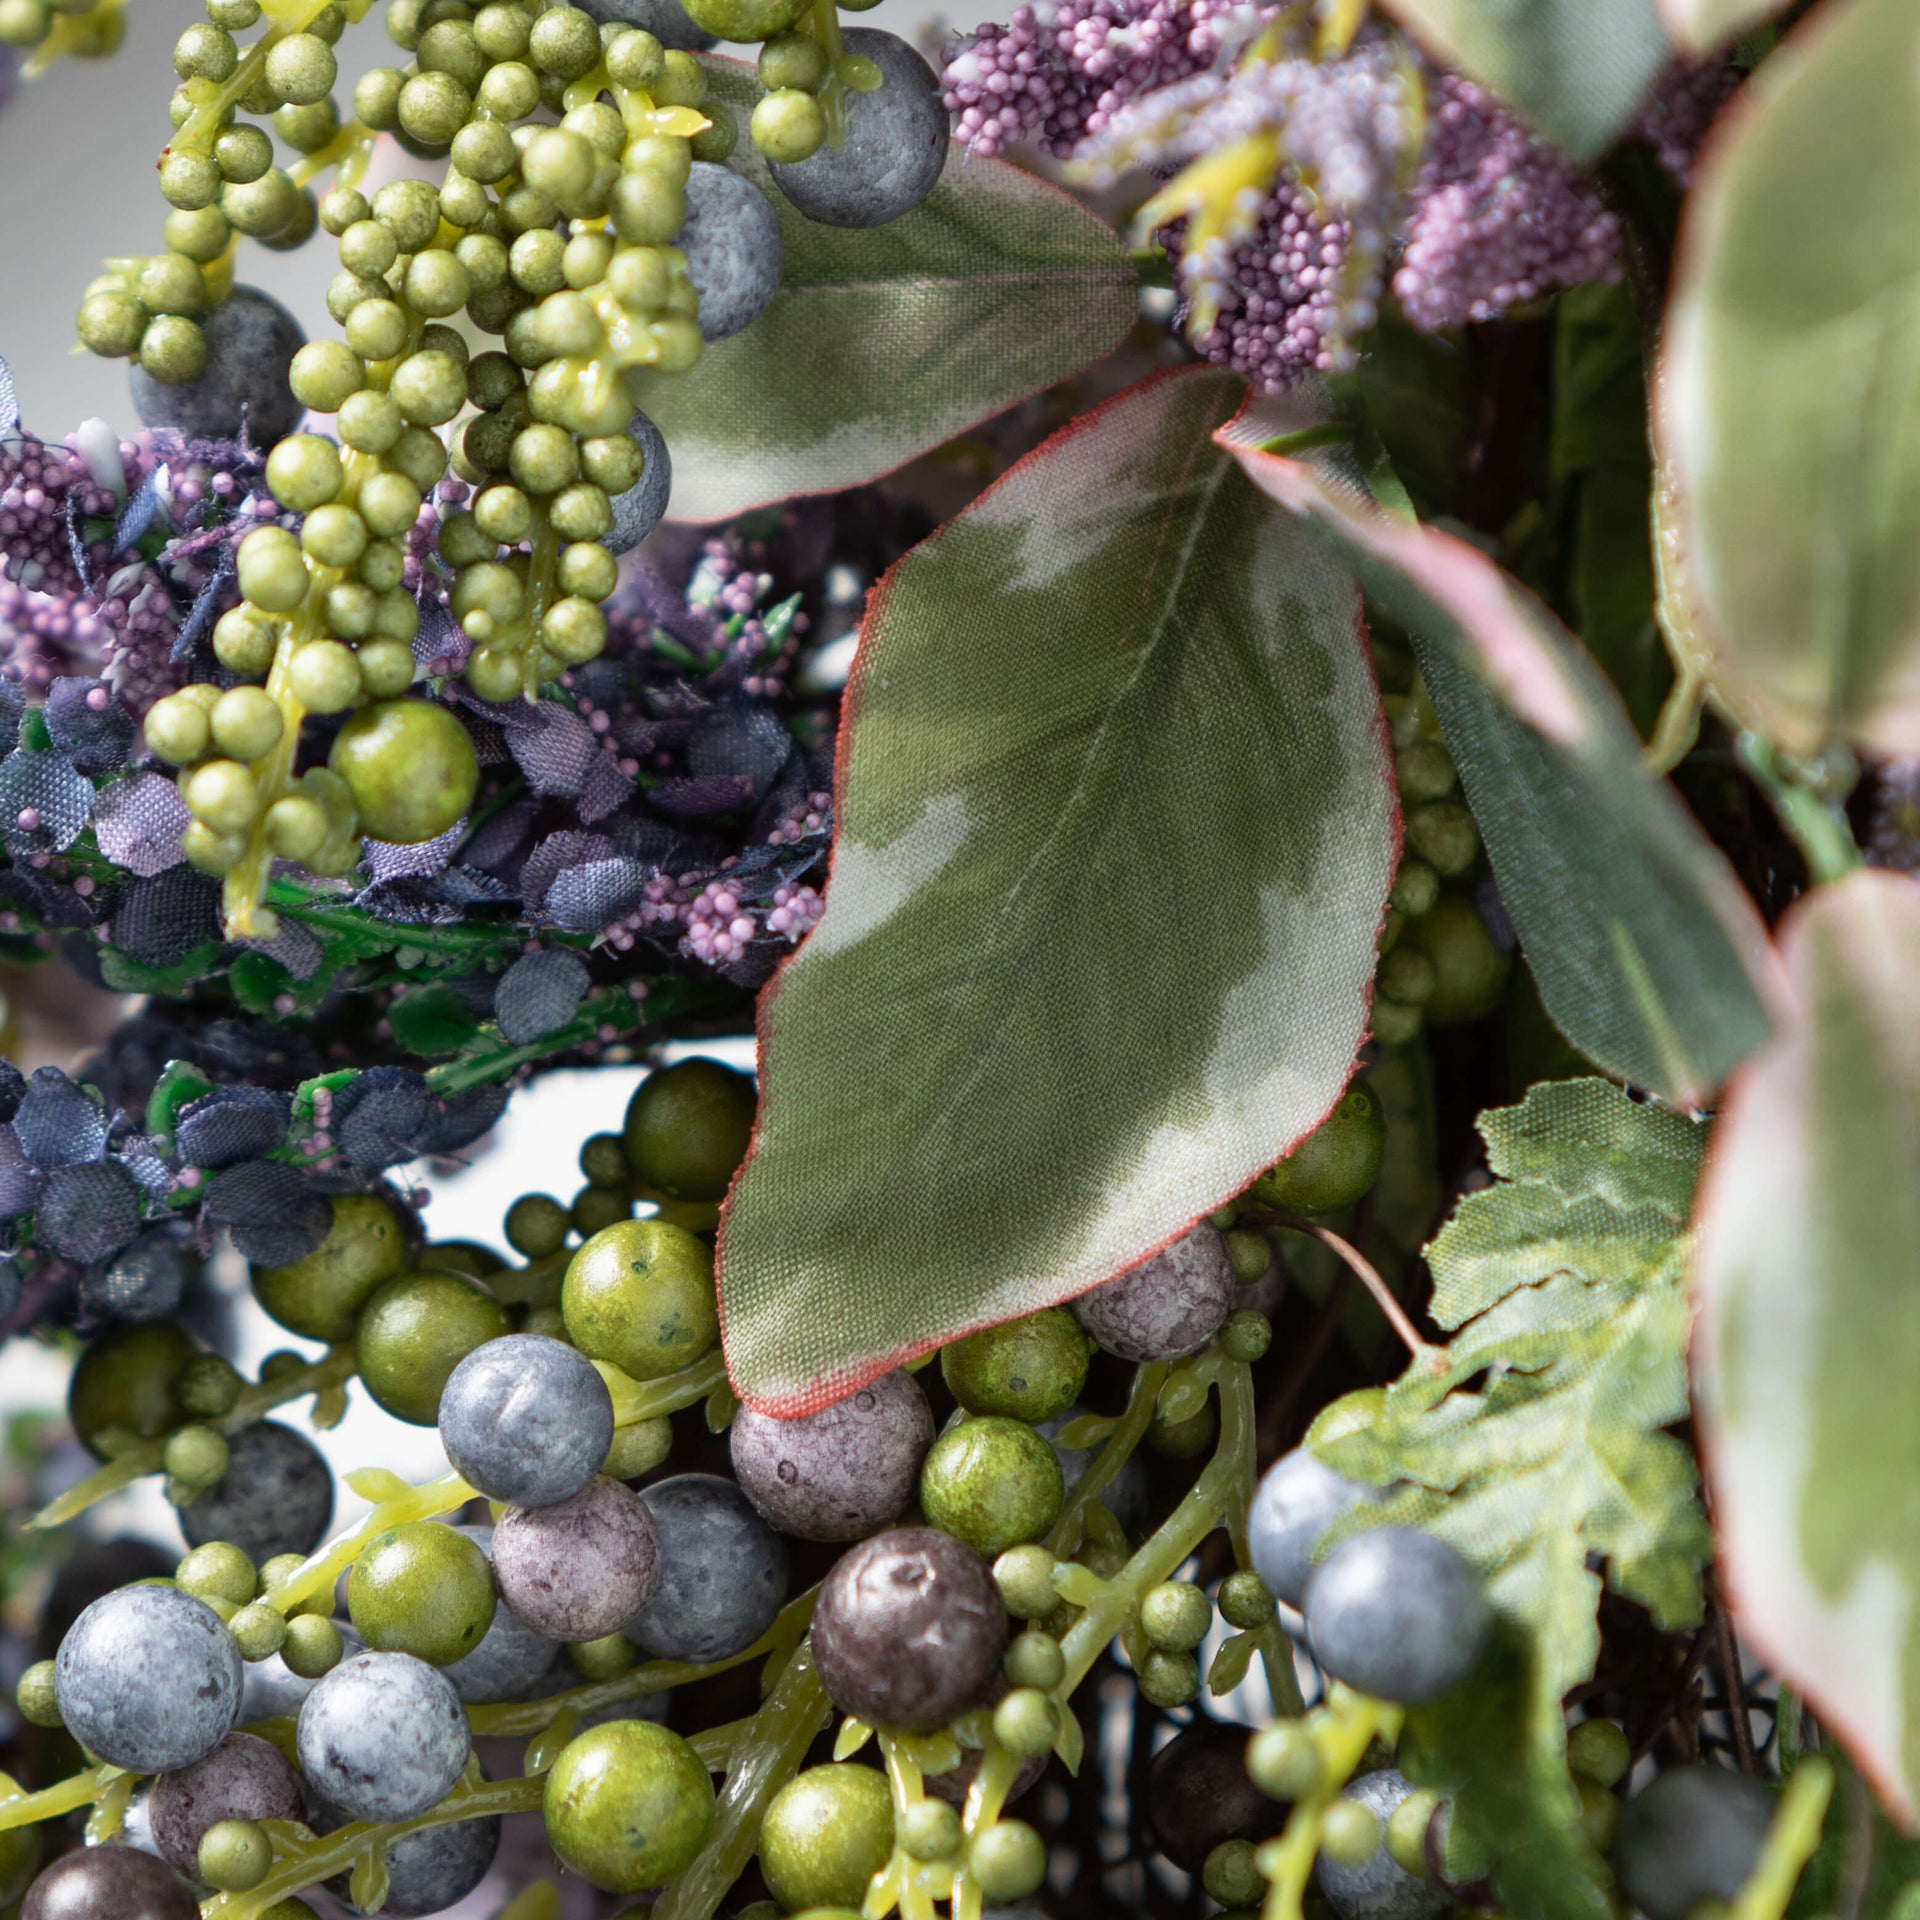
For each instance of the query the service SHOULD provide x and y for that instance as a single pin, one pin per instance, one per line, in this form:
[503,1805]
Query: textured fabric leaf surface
[886,341]
[1648,954]
[1699,26]
[1578,69]
[1807,1339]
[1789,397]
[1565,1283]
[1115,834]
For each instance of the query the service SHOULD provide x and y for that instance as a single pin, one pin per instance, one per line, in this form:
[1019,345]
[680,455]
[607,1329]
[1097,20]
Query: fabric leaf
[884,342]
[1115,830]
[1808,1333]
[1648,954]
[1565,1283]
[1577,69]
[1789,397]
[1697,27]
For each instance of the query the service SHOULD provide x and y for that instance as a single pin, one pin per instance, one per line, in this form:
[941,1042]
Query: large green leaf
[1565,1282]
[886,341]
[1790,388]
[1697,27]
[1807,1343]
[1577,69]
[1115,834]
[1648,954]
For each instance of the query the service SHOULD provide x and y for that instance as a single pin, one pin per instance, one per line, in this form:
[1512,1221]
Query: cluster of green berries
[94,27]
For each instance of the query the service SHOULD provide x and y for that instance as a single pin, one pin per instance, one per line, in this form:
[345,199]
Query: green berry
[1026,1722]
[218,1571]
[301,69]
[1244,1601]
[110,324]
[1035,1660]
[324,677]
[929,1829]
[423,1589]
[991,1483]
[687,1129]
[273,573]
[410,768]
[639,1448]
[124,1381]
[1026,1369]
[648,208]
[320,1297]
[640,1295]
[1598,1750]
[1336,1163]
[224,795]
[258,1630]
[536,1226]
[564,42]
[505,515]
[1469,971]
[304,472]
[1246,1336]
[1406,976]
[196,1457]
[190,181]
[590,571]
[629,1804]
[173,350]
[635,60]
[247,723]
[596,1208]
[208,1386]
[1407,1831]
[788,126]
[171,283]
[432,108]
[177,729]
[1175,1616]
[243,155]
[307,129]
[200,234]
[1442,834]
[1349,1833]
[313,1645]
[1169,1680]
[483,150]
[1230,1876]
[262,208]
[1250,1254]
[1599,1814]
[235,1855]
[205,52]
[1024,1576]
[718,138]
[296,827]
[826,1833]
[604,1659]
[35,1696]
[413,1332]
[1008,1860]
[544,458]
[793,60]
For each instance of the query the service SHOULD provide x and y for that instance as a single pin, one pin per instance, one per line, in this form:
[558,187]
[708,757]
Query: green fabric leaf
[1790,391]
[1699,26]
[1565,1282]
[1115,834]
[432,1020]
[1808,1335]
[1577,69]
[1648,953]
[886,341]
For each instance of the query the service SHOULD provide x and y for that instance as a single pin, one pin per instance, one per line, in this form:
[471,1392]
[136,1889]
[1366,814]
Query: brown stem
[1729,1655]
[1364,1270]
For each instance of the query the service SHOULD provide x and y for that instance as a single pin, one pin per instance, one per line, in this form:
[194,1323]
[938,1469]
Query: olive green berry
[991,1483]
[1336,1163]
[196,1457]
[422,1588]
[35,1696]
[313,1645]
[536,1226]
[324,677]
[413,1332]
[788,125]
[1026,1369]
[320,1297]
[1024,1576]
[1169,1680]
[235,1855]
[1283,1761]
[640,1295]
[218,1571]
[1244,1601]
[687,1128]
[172,349]
[410,767]
[627,1805]
[825,1834]
[1175,1616]
[1008,1860]
[929,1829]
[208,1386]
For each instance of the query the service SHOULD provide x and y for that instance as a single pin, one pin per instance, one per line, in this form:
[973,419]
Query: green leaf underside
[1699,26]
[1808,1336]
[1577,69]
[1116,831]
[1565,1282]
[1790,392]
[1648,954]
[884,342]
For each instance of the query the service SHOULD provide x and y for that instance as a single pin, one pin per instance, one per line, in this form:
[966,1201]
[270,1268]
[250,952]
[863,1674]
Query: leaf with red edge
[1116,827]
[884,342]
[1807,1328]
[1648,954]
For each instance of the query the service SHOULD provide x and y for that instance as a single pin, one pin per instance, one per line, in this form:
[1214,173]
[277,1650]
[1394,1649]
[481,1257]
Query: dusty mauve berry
[909,1630]
[243,1778]
[581,1568]
[841,1472]
[109,1883]
[1171,1304]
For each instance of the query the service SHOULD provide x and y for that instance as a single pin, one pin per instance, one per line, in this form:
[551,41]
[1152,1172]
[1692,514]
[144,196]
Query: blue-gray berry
[383,1736]
[432,1870]
[1298,1499]
[275,1497]
[1379,1888]
[723,1571]
[731,238]
[272,1690]
[251,341]
[148,1678]
[666,20]
[1690,1835]
[895,147]
[1396,1613]
[644,504]
[526,1419]
[1172,1303]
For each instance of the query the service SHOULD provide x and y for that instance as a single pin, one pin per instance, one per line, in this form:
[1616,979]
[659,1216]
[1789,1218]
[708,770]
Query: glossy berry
[895,146]
[250,343]
[383,1737]
[109,1883]
[527,1420]
[512,1662]
[1297,1500]
[992,1484]
[640,1294]
[1692,1834]
[687,1128]
[731,239]
[320,1297]
[746,20]
[1283,1761]
[422,1589]
[1198,1794]
[124,1381]
[1336,1163]
[243,1778]
[1008,1860]
[842,1472]
[1170,1304]
[1175,1616]
[1377,1887]
[908,1630]
[579,1568]
[410,768]
[431,1870]
[628,1805]
[723,1571]
[275,1497]
[826,1833]
[1396,1613]
[1598,1750]
[1026,1369]
[148,1679]
[413,1332]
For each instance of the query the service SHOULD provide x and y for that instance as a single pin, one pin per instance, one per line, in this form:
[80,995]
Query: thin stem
[1127,1434]
[1365,1271]
[1816,823]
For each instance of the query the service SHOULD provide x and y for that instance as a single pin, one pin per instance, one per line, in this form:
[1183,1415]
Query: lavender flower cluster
[1480,218]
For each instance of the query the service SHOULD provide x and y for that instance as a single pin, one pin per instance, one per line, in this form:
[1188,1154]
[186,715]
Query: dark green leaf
[124,974]
[431,1020]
